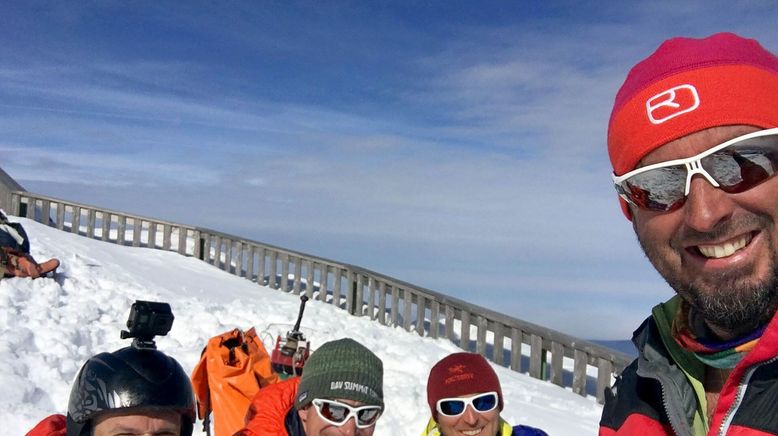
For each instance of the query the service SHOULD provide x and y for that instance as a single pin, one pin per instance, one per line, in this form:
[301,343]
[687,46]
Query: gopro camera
[148,319]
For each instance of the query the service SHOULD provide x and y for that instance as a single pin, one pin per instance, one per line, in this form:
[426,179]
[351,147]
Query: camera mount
[148,319]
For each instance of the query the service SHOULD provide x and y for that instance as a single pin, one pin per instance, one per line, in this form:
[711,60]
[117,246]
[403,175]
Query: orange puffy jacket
[267,414]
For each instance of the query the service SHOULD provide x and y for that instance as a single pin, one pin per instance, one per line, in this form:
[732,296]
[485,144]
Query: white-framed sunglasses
[456,406]
[733,166]
[337,413]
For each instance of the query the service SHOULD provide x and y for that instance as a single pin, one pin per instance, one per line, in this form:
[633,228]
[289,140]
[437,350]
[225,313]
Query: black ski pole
[303,299]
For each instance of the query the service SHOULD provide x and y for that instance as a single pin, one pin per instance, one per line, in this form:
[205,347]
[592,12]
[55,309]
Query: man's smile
[726,248]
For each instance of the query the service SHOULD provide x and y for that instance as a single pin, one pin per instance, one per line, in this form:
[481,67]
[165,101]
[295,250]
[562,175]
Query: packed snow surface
[50,326]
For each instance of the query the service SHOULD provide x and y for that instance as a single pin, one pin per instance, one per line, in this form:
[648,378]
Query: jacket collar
[433,430]
[678,371]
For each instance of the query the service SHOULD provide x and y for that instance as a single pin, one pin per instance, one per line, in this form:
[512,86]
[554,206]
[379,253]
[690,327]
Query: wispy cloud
[463,150]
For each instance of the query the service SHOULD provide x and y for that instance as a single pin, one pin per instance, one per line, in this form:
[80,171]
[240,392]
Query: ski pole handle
[303,299]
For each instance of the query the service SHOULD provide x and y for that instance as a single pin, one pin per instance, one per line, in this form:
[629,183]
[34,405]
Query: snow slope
[51,326]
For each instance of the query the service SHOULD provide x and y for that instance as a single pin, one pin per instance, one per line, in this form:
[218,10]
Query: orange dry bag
[233,367]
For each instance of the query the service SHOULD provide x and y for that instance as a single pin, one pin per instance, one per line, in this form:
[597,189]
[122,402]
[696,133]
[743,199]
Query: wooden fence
[584,367]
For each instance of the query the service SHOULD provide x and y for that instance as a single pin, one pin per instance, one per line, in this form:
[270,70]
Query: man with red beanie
[694,147]
[465,399]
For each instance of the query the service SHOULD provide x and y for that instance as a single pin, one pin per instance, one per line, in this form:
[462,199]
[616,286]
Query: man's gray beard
[738,310]
[732,305]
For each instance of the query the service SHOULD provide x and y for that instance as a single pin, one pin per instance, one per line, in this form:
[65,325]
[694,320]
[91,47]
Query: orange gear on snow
[234,366]
[18,264]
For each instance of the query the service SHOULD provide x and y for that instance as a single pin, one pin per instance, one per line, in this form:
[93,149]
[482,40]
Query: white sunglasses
[456,406]
[734,166]
[337,413]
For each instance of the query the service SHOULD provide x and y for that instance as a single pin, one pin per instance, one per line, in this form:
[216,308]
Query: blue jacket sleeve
[524,430]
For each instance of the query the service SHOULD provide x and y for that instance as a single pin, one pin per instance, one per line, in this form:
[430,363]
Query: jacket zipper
[665,384]
[741,391]
[667,408]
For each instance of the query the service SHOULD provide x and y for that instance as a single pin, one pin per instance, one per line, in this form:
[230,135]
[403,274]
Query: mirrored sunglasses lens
[452,407]
[658,189]
[742,167]
[334,412]
[484,403]
[367,417]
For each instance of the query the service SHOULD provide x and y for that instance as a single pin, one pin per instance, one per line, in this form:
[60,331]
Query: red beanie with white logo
[688,85]
[461,374]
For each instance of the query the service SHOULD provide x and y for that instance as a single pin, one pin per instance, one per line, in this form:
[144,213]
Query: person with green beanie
[339,393]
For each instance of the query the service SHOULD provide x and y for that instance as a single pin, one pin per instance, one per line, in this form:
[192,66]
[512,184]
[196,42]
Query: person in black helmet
[136,390]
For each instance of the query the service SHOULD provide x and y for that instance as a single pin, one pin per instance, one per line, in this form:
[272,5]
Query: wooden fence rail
[584,367]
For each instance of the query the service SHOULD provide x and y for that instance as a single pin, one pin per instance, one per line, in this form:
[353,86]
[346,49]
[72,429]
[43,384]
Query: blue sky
[456,145]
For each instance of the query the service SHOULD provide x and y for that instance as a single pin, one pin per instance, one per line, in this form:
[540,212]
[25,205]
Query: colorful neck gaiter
[691,333]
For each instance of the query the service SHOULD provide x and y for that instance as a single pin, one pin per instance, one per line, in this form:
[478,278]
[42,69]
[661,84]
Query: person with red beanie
[465,399]
[693,141]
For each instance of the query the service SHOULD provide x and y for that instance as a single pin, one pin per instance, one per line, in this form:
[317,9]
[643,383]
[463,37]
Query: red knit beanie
[461,374]
[688,85]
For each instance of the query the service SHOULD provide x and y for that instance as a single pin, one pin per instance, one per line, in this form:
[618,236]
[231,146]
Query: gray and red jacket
[661,392]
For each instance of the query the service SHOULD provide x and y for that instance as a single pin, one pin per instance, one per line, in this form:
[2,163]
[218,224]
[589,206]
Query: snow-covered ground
[51,326]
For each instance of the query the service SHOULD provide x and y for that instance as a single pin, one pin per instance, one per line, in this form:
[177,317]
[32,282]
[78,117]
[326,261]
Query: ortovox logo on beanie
[342,369]
[669,104]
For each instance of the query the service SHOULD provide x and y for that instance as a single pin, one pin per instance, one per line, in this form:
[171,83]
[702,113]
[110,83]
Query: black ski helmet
[129,379]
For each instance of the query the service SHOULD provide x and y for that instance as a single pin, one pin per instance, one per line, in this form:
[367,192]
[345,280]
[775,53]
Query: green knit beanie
[342,369]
